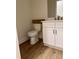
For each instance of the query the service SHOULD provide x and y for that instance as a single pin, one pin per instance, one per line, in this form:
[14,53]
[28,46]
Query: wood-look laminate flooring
[39,51]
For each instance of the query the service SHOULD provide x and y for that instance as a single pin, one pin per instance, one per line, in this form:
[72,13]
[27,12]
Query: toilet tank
[37,24]
[37,27]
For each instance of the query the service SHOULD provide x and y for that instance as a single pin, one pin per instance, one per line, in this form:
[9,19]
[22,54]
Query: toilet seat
[32,33]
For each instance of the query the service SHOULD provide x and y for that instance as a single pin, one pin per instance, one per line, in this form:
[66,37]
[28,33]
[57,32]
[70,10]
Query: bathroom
[30,15]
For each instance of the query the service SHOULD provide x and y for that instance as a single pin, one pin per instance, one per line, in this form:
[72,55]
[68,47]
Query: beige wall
[43,9]
[39,9]
[23,19]
[51,8]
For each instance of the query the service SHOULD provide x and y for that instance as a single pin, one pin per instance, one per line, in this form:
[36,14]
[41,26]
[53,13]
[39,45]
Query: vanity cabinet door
[59,37]
[48,36]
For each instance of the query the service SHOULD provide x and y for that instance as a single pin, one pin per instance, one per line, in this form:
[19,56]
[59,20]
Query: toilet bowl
[33,36]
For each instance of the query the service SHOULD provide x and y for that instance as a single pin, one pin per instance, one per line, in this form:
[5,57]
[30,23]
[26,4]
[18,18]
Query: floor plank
[39,51]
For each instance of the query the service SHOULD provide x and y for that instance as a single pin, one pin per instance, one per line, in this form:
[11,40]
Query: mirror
[59,8]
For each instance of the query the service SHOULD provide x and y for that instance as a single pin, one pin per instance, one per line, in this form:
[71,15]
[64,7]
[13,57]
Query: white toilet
[34,34]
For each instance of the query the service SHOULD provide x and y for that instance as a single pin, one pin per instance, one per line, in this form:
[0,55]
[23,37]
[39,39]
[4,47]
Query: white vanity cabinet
[53,33]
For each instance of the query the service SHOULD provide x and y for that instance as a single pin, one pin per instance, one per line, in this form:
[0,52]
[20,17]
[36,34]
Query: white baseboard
[23,40]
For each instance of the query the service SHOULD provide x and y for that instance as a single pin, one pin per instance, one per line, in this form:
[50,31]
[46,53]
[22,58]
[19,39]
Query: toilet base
[33,40]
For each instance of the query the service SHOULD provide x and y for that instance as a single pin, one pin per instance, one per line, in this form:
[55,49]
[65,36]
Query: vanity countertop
[47,21]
